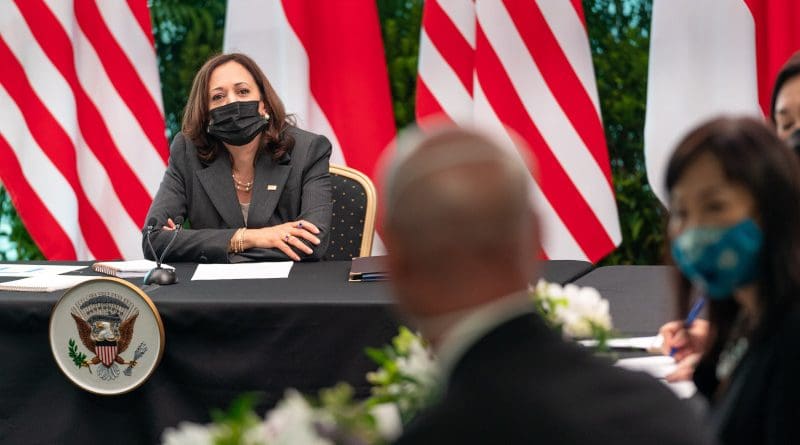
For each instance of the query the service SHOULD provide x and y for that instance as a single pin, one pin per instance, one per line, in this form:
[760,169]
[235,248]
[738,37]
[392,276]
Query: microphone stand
[160,275]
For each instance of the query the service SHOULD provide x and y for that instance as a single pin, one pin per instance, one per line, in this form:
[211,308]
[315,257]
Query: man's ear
[396,261]
[535,246]
[536,232]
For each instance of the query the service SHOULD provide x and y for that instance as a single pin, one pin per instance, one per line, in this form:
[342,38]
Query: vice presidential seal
[107,316]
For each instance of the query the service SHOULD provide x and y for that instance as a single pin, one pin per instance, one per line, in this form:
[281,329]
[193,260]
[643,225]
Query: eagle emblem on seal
[105,324]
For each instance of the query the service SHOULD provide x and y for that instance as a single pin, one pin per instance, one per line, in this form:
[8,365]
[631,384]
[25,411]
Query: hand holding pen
[685,337]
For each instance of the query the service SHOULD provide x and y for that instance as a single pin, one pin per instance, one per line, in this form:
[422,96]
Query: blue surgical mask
[719,259]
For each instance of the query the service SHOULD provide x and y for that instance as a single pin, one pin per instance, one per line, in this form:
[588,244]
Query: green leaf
[237,420]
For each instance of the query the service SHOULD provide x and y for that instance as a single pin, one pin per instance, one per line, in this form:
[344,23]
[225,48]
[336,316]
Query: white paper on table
[659,366]
[644,343]
[31,270]
[683,389]
[45,283]
[242,271]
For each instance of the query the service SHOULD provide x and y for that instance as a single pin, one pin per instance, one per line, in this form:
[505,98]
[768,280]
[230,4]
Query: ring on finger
[286,238]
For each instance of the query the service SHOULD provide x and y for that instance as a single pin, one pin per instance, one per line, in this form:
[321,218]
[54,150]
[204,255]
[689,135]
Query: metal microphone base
[161,276]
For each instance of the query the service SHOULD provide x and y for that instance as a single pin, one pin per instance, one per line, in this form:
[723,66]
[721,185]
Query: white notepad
[651,344]
[127,269]
[30,270]
[660,366]
[242,271]
[45,283]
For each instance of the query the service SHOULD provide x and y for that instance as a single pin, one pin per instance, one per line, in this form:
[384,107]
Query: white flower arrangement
[188,433]
[407,374]
[402,385]
[578,312]
[293,421]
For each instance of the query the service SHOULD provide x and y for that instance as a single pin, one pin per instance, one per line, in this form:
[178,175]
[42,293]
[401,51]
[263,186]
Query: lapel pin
[272,187]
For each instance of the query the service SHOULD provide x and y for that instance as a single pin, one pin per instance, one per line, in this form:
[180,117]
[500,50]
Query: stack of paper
[127,269]
[45,283]
[31,270]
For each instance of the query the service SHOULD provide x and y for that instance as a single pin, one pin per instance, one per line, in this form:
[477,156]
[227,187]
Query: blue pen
[698,306]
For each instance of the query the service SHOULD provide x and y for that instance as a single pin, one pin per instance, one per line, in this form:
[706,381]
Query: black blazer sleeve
[316,199]
[173,200]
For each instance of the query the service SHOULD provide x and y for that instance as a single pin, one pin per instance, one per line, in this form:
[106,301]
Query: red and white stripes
[526,66]
[82,126]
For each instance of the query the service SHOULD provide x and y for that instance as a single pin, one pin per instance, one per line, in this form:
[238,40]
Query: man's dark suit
[296,187]
[522,384]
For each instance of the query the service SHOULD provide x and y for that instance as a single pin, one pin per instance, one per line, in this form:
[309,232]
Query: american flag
[526,66]
[81,123]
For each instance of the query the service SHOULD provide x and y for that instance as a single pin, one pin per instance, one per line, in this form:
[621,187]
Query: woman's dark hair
[751,155]
[790,70]
[276,140]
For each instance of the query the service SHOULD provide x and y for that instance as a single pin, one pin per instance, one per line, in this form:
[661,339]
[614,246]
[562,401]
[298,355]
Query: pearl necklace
[242,186]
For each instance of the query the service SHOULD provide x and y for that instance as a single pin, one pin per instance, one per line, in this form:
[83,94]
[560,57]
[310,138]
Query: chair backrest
[353,216]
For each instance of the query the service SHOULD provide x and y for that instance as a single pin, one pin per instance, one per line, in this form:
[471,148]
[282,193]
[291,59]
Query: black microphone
[149,229]
[158,274]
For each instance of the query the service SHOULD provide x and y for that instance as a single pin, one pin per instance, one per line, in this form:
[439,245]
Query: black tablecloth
[641,297]
[223,338]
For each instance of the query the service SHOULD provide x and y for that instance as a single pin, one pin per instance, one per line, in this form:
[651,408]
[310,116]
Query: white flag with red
[325,59]
[525,65]
[81,123]
[711,57]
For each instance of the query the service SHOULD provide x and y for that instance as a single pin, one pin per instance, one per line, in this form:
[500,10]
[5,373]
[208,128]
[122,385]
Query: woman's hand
[284,237]
[684,342]
[170,225]
[685,369]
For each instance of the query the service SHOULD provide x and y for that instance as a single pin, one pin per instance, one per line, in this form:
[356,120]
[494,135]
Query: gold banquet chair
[353,215]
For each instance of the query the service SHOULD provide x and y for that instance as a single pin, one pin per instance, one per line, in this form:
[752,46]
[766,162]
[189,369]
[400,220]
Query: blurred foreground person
[463,245]
[734,216]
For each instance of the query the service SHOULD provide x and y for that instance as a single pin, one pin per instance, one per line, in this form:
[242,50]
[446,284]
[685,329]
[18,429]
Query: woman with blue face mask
[251,184]
[785,119]
[734,232]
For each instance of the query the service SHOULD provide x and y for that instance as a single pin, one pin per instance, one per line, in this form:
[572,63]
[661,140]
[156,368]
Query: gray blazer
[296,187]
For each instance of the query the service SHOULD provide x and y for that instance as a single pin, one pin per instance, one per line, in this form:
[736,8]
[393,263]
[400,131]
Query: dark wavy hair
[790,70]
[275,140]
[751,155]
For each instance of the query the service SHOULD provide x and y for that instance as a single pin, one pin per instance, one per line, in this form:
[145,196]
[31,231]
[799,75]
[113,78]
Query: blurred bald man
[463,243]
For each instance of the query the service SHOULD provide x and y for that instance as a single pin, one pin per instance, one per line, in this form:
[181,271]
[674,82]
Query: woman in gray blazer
[250,185]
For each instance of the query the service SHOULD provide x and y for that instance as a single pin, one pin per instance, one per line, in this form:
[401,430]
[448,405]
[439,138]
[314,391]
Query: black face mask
[237,123]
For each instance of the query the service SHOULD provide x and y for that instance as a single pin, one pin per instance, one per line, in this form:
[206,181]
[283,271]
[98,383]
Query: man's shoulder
[538,384]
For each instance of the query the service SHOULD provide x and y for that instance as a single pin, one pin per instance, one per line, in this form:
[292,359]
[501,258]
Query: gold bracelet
[232,245]
[241,239]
